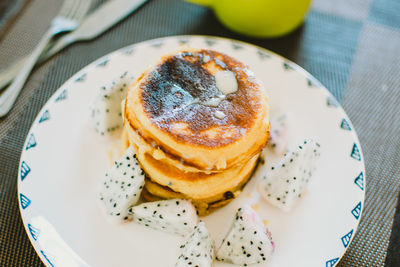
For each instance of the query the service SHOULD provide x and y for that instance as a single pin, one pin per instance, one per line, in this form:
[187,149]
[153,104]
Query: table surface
[351,46]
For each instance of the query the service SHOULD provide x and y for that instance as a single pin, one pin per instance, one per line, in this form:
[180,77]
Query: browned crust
[187,162]
[203,206]
[240,107]
[172,171]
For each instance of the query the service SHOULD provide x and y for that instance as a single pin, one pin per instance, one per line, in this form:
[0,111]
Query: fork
[68,19]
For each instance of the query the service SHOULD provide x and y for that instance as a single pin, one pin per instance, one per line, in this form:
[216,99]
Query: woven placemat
[9,11]
[355,54]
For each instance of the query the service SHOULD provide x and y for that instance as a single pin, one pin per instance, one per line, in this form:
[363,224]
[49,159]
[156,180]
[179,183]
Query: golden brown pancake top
[174,93]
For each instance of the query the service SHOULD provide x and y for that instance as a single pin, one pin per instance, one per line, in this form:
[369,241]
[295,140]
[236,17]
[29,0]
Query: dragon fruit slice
[106,108]
[177,216]
[121,186]
[198,249]
[248,240]
[278,138]
[285,183]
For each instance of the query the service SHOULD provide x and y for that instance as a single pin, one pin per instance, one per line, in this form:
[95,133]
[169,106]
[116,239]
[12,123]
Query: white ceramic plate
[63,158]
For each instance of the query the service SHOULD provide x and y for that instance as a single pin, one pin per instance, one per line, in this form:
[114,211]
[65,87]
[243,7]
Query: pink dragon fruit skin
[198,249]
[248,240]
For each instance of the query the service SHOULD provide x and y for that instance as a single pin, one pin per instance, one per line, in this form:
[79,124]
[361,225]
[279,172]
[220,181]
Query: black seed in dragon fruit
[121,186]
[284,184]
[177,216]
[198,250]
[248,241]
[106,109]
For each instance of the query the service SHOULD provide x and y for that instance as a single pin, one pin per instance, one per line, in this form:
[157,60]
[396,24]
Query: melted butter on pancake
[226,81]
[219,114]
[213,102]
[181,97]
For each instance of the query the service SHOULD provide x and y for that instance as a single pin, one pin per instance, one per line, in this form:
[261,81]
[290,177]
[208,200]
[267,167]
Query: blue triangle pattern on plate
[332,102]
[128,51]
[45,116]
[183,40]
[25,202]
[210,42]
[25,170]
[287,66]
[103,63]
[47,257]
[237,46]
[345,125]
[157,44]
[357,211]
[355,152]
[310,83]
[262,54]
[331,263]
[359,181]
[346,238]
[82,78]
[31,142]
[62,96]
[34,231]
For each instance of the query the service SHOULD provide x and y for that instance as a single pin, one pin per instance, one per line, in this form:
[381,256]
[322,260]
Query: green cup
[259,18]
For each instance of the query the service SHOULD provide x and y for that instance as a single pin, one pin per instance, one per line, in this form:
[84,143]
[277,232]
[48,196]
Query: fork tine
[78,12]
[69,17]
[66,7]
[85,5]
[73,10]
[82,8]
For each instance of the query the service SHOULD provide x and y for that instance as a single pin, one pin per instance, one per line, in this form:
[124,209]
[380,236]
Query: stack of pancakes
[198,120]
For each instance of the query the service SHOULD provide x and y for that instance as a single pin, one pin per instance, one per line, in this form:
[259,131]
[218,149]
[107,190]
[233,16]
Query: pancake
[196,186]
[145,146]
[198,120]
[178,114]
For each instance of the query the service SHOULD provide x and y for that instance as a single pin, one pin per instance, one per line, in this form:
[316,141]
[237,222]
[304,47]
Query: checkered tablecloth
[351,46]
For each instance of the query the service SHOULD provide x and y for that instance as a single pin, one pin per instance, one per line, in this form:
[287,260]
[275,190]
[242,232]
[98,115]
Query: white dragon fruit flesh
[288,179]
[198,249]
[106,108]
[278,138]
[248,240]
[121,186]
[177,216]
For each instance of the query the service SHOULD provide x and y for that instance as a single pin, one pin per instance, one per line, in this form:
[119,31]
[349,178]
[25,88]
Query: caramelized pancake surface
[176,92]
